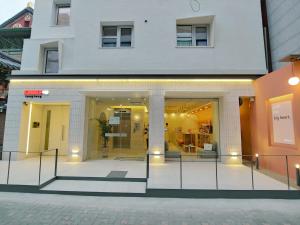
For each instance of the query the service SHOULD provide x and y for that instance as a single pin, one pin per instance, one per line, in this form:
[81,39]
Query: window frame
[194,35]
[118,37]
[46,59]
[59,6]
[109,37]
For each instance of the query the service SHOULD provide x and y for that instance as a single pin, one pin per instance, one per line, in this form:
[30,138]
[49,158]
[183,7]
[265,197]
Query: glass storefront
[192,127]
[117,128]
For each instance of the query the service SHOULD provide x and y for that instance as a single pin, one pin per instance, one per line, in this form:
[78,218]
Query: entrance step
[96,186]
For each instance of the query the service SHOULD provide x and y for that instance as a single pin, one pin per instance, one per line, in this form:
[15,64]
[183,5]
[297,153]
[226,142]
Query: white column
[77,129]
[156,124]
[230,128]
[12,133]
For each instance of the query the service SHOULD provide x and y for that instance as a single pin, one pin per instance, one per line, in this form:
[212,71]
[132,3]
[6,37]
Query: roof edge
[136,76]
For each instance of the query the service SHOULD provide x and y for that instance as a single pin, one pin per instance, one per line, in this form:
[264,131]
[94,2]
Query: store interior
[192,126]
[117,128]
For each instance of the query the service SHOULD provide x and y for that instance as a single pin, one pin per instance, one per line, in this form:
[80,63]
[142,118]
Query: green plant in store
[104,128]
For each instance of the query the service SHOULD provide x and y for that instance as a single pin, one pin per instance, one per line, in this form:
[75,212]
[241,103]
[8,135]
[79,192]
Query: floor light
[257,161]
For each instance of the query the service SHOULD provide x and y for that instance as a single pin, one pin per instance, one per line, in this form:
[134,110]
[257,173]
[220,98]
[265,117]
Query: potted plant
[104,129]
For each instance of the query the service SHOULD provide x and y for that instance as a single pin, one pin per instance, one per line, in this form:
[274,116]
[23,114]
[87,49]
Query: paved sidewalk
[29,209]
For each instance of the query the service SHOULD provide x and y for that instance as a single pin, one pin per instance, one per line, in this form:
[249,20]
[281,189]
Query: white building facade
[118,78]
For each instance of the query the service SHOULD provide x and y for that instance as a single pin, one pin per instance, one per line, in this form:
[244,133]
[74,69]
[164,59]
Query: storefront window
[117,128]
[192,127]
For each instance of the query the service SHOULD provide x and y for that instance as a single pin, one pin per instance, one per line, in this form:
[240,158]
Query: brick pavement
[30,209]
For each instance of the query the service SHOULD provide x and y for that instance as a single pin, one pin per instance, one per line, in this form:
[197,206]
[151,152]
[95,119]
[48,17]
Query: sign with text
[35,93]
[283,122]
[114,120]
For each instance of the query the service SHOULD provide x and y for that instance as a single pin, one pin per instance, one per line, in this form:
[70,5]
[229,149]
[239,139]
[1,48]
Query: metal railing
[40,155]
[258,164]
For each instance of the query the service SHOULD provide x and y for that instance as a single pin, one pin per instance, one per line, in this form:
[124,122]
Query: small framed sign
[114,120]
[282,131]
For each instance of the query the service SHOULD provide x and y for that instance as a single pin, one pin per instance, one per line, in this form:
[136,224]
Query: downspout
[265,22]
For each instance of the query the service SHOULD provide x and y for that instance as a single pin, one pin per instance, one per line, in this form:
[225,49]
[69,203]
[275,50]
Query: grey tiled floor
[29,209]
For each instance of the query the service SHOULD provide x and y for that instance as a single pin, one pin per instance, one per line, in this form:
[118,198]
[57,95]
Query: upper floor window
[51,61]
[116,36]
[63,12]
[192,35]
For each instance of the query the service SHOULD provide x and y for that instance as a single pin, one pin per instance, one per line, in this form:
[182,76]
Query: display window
[192,127]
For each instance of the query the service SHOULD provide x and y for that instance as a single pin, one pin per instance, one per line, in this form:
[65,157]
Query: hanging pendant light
[294,80]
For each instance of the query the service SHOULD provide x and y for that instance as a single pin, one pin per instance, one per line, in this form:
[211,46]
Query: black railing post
[180,158]
[252,176]
[147,166]
[40,167]
[8,168]
[217,181]
[55,166]
[287,171]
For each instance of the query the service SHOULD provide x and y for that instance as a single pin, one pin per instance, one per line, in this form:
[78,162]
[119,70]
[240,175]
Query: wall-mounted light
[293,81]
[137,117]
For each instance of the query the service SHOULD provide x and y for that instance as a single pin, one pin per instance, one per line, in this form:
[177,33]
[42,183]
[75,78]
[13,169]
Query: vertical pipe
[56,158]
[252,177]
[40,166]
[217,181]
[180,171]
[287,171]
[8,168]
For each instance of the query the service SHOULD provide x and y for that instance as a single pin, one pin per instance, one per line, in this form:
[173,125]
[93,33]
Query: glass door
[123,129]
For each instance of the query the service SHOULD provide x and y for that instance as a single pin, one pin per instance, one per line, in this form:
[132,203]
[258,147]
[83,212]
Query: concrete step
[96,186]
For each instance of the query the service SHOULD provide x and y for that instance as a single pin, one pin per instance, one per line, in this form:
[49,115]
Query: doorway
[123,128]
[55,127]
[117,128]
[45,127]
[245,120]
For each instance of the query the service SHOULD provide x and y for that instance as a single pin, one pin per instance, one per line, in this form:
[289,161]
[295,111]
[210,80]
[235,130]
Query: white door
[55,128]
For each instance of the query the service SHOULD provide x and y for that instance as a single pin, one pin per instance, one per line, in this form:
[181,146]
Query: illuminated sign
[35,93]
[283,123]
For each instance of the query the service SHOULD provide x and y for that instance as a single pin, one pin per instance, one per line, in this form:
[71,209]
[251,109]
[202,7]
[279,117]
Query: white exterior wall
[237,48]
[284,26]
[238,45]
[74,93]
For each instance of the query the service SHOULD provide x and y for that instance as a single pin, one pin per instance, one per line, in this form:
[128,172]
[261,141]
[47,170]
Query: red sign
[35,93]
